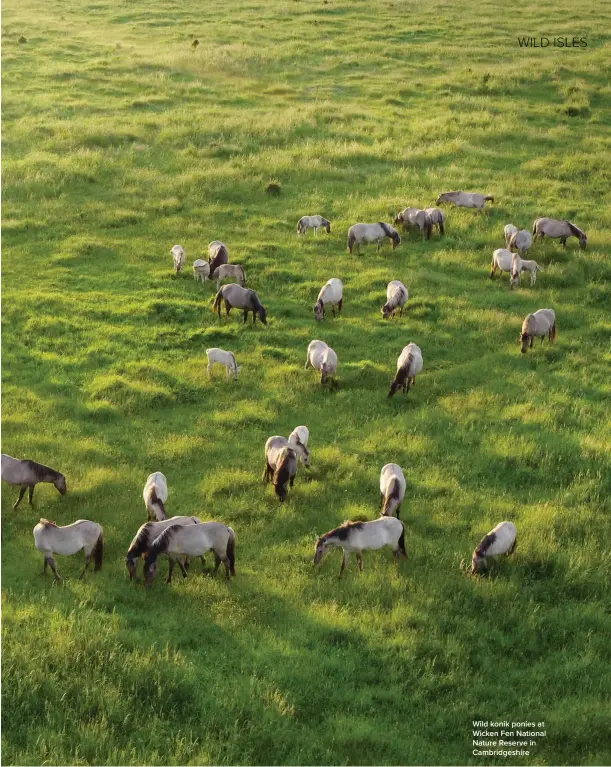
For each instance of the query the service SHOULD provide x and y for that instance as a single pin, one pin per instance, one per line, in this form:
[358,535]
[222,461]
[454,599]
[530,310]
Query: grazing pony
[509,231]
[502,259]
[411,217]
[192,541]
[217,255]
[229,270]
[501,540]
[28,474]
[409,365]
[396,298]
[541,323]
[330,293]
[312,222]
[280,465]
[521,241]
[532,267]
[438,218]
[237,297]
[82,534]
[298,440]
[368,233]
[223,358]
[180,257]
[363,536]
[201,270]
[392,490]
[552,227]
[465,199]
[155,495]
[322,357]
[146,535]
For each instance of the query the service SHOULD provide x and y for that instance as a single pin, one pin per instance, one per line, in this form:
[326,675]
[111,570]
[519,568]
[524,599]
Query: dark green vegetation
[121,140]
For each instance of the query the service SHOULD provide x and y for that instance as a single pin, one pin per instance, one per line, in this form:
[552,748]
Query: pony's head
[60,484]
[132,566]
[477,563]
[397,219]
[236,371]
[396,240]
[262,314]
[327,226]
[524,338]
[150,569]
[322,547]
[319,310]
[440,199]
[394,387]
[514,279]
[583,241]
[386,311]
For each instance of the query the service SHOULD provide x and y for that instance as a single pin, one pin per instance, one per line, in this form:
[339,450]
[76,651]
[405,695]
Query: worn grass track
[120,141]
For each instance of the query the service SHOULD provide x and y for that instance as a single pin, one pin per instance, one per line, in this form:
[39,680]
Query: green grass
[120,141]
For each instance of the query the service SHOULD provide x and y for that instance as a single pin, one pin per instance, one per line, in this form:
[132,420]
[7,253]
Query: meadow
[119,140]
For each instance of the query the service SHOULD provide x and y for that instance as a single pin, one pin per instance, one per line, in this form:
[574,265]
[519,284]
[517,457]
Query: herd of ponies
[180,537]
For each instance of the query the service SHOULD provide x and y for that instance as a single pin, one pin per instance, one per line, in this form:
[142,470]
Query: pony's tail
[402,548]
[351,241]
[429,228]
[535,228]
[231,551]
[489,197]
[98,552]
[216,306]
[442,231]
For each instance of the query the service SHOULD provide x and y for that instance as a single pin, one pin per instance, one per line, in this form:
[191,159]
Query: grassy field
[119,141]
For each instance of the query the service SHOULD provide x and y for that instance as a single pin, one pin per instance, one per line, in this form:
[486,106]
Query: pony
[362,536]
[516,270]
[298,440]
[237,297]
[223,358]
[508,231]
[146,535]
[312,222]
[322,357]
[438,218]
[280,465]
[155,495]
[465,199]
[82,534]
[411,217]
[217,255]
[229,270]
[179,256]
[392,490]
[552,227]
[409,365]
[541,323]
[28,474]
[502,259]
[500,540]
[330,293]
[192,541]
[201,270]
[520,241]
[368,233]
[396,298]
[532,267]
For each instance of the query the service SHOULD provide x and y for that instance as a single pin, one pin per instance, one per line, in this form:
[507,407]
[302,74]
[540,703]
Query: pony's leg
[413,380]
[292,480]
[217,564]
[183,570]
[227,308]
[307,365]
[51,561]
[21,494]
[513,547]
[203,559]
[254,316]
[344,563]
[381,501]
[359,560]
[31,494]
[245,316]
[87,561]
[340,305]
[209,369]
[171,563]
[532,341]
[227,569]
[563,242]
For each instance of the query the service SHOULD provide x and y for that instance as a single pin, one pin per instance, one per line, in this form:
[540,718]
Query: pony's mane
[141,541]
[575,229]
[343,530]
[161,543]
[485,544]
[235,364]
[395,488]
[47,523]
[386,228]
